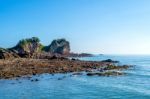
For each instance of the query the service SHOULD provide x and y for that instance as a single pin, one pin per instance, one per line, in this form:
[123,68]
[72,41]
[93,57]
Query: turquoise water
[135,85]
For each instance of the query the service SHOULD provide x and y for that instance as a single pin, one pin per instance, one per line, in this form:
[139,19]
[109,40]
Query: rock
[61,78]
[80,55]
[78,73]
[57,57]
[32,48]
[111,61]
[53,57]
[108,73]
[114,67]
[34,80]
[7,54]
[59,46]
[24,67]
[28,47]
[73,59]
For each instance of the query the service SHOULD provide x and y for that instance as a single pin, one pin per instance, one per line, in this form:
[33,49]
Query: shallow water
[135,85]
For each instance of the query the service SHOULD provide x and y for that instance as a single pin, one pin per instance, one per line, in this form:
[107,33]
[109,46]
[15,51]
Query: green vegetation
[2,49]
[57,45]
[42,47]
[28,40]
[33,45]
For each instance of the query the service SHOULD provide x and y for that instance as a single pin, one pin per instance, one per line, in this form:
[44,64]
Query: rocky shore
[30,57]
[22,66]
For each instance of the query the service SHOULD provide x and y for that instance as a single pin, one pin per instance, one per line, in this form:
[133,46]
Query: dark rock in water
[62,78]
[59,46]
[114,67]
[53,74]
[7,54]
[80,55]
[78,73]
[35,80]
[111,61]
[108,73]
[73,59]
[91,74]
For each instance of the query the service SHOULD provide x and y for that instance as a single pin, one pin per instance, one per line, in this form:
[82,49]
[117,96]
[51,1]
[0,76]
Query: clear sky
[95,26]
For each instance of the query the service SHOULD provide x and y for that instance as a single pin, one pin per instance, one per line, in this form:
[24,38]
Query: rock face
[32,48]
[28,47]
[7,54]
[59,46]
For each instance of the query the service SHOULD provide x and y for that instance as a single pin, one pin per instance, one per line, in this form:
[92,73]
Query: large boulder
[59,46]
[28,47]
[7,54]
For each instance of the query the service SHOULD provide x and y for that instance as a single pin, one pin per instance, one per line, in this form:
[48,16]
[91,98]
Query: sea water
[134,85]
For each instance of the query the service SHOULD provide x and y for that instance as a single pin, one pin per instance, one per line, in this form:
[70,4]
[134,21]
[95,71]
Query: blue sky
[95,26]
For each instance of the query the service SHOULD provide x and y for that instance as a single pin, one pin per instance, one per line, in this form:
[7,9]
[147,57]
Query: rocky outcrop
[32,48]
[111,61]
[59,46]
[7,54]
[108,73]
[23,66]
[80,55]
[28,47]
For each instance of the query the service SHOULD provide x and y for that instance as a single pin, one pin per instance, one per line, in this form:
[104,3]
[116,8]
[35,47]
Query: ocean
[134,85]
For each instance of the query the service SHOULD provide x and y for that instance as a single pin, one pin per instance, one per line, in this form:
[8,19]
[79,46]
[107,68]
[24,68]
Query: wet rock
[22,66]
[108,73]
[19,82]
[58,57]
[111,67]
[61,78]
[73,59]
[34,80]
[78,73]
[111,61]
[80,55]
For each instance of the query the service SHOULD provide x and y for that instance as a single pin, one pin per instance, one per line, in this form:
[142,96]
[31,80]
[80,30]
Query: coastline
[19,67]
